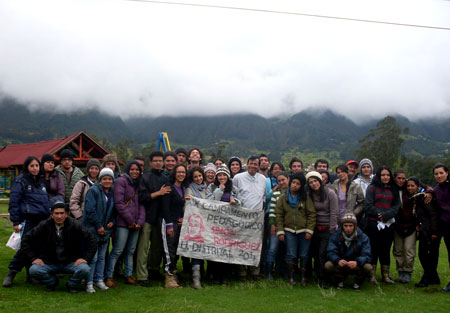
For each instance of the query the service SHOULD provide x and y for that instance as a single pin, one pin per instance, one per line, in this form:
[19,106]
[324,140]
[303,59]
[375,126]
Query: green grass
[248,297]
[3,208]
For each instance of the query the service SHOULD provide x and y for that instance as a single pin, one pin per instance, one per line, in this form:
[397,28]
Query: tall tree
[383,143]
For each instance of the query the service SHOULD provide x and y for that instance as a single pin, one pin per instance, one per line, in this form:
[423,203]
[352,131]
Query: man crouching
[348,253]
[56,246]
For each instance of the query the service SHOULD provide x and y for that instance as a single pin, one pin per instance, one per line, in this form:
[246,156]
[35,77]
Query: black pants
[318,250]
[380,242]
[170,245]
[445,231]
[20,260]
[429,256]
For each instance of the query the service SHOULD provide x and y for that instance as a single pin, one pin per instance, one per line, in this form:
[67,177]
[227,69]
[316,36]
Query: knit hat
[352,162]
[106,171]
[181,150]
[111,158]
[92,162]
[210,167]
[315,175]
[66,153]
[224,170]
[47,158]
[57,202]
[349,218]
[234,158]
[366,161]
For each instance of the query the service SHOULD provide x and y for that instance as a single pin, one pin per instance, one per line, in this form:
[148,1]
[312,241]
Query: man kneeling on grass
[56,246]
[349,253]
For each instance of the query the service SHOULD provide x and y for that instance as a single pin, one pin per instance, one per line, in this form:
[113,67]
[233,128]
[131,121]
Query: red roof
[15,155]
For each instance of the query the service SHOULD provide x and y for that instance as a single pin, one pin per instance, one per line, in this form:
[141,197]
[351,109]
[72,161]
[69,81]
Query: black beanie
[66,153]
[47,158]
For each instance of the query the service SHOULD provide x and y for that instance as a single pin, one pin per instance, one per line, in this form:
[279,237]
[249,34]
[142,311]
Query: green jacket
[77,174]
[298,220]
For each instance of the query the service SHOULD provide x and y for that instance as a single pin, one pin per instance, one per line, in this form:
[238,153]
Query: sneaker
[447,288]
[101,285]
[356,287]
[90,288]
[340,285]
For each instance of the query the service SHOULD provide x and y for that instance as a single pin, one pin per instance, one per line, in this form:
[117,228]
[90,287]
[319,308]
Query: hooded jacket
[359,250]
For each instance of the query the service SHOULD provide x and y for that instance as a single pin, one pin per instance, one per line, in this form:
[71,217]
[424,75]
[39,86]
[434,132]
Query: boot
[9,278]
[196,284]
[291,269]
[373,279]
[407,276]
[401,277]
[385,275]
[303,280]
[270,271]
[171,282]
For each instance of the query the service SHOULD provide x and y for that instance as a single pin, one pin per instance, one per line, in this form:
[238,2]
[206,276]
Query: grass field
[237,297]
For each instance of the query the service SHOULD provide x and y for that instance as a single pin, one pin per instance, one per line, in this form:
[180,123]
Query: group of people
[317,224]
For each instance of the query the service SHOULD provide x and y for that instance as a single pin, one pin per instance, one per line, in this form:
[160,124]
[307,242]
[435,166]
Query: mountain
[307,131]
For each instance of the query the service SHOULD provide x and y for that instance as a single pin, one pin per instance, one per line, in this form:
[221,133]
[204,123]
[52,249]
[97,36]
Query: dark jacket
[151,181]
[427,216]
[77,174]
[28,198]
[41,241]
[175,210]
[359,249]
[126,201]
[405,221]
[97,213]
[56,185]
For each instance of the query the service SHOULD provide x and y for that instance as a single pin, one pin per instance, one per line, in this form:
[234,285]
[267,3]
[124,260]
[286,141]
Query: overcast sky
[136,58]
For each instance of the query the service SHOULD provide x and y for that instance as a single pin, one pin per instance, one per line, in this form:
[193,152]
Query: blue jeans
[98,264]
[274,242]
[297,246]
[46,274]
[124,241]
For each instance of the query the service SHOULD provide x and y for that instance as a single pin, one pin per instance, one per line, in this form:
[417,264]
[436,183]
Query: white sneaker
[101,285]
[90,288]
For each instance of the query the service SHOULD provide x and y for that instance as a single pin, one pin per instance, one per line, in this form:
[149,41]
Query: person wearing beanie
[81,188]
[365,175]
[69,173]
[210,173]
[348,253]
[327,210]
[235,166]
[181,155]
[59,245]
[352,166]
[130,219]
[110,160]
[99,217]
[54,183]
[221,190]
[296,221]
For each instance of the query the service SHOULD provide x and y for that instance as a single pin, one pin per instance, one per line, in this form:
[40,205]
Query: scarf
[293,200]
[196,189]
[348,239]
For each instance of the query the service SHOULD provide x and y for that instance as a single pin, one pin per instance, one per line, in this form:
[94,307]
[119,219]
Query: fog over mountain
[132,58]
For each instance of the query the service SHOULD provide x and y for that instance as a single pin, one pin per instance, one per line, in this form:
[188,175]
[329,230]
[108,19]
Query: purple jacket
[56,185]
[134,212]
[442,194]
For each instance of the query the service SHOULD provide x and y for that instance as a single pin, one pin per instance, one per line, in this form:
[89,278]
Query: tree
[382,145]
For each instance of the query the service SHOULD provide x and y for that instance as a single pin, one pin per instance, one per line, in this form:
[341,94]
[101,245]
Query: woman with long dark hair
[235,166]
[442,197]
[171,224]
[426,218]
[296,220]
[28,203]
[327,216]
[54,183]
[381,206]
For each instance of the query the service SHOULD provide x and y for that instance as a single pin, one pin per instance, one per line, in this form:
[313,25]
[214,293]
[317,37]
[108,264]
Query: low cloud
[135,58]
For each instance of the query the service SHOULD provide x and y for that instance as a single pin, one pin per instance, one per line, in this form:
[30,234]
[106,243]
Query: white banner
[217,231]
